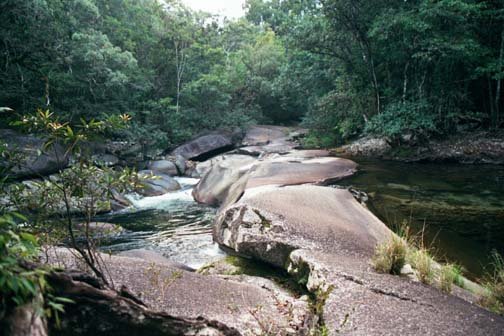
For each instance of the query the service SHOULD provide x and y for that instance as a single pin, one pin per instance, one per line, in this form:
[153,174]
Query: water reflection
[461,207]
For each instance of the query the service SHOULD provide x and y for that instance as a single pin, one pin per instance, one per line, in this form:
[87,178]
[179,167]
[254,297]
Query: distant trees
[174,70]
[345,67]
[422,67]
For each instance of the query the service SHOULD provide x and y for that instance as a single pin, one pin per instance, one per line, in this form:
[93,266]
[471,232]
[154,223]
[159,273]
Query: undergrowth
[494,283]
[401,249]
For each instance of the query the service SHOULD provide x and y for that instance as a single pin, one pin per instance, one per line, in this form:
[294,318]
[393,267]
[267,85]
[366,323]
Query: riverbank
[466,148]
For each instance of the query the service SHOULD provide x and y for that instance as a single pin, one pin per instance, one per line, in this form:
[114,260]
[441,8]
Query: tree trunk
[100,311]
[496,119]
[25,321]
[405,81]
[180,62]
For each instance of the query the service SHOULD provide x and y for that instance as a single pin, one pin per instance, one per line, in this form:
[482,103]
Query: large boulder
[297,217]
[223,176]
[261,135]
[156,184]
[366,147]
[288,171]
[325,238]
[163,167]
[264,139]
[163,288]
[204,145]
[224,172]
[35,159]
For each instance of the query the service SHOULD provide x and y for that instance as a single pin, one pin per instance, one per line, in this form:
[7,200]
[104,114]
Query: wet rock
[35,159]
[119,201]
[163,167]
[156,184]
[202,145]
[180,163]
[225,170]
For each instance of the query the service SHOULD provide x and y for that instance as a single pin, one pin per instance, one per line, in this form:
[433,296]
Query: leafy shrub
[339,113]
[320,140]
[20,282]
[402,118]
[81,189]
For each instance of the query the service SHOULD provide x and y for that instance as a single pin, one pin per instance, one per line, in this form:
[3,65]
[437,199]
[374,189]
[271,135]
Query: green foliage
[494,282]
[83,189]
[20,282]
[176,71]
[320,140]
[404,118]
[448,275]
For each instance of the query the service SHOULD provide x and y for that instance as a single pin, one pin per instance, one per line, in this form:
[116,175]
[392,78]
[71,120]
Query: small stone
[407,270]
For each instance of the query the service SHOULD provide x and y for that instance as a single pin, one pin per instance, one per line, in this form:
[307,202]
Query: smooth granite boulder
[37,160]
[324,238]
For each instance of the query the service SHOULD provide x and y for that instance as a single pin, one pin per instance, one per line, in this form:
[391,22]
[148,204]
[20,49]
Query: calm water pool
[461,207]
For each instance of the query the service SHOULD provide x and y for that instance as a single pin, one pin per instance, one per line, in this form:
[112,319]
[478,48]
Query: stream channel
[460,208]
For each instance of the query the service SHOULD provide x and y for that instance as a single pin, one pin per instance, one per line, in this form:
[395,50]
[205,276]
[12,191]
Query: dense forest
[343,68]
[129,124]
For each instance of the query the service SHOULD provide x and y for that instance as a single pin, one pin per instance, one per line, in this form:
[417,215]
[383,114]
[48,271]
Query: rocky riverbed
[275,209]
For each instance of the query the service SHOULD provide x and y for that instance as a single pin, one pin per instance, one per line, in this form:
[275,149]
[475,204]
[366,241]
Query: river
[172,224]
[459,207]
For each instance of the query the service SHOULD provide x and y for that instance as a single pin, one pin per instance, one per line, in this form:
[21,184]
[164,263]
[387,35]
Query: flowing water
[172,224]
[460,207]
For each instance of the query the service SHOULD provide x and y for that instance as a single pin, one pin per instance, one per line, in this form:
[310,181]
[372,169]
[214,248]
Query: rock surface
[264,139]
[36,160]
[242,306]
[469,148]
[288,171]
[163,167]
[366,147]
[215,187]
[223,172]
[203,145]
[325,238]
[156,184]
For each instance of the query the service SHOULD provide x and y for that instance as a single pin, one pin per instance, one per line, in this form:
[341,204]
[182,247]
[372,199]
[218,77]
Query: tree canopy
[343,67]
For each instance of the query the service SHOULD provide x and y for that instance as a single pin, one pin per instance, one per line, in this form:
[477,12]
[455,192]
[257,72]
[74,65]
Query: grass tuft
[494,282]
[449,274]
[390,256]
[422,262]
